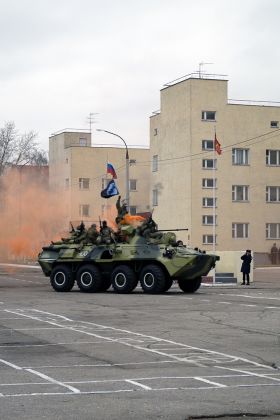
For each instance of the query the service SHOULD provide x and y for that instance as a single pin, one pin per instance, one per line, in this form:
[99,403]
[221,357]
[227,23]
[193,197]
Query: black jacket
[246,265]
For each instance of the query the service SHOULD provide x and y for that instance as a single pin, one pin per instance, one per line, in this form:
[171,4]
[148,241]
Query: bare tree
[18,149]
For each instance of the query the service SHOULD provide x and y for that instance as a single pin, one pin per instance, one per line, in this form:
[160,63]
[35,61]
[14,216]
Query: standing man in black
[246,266]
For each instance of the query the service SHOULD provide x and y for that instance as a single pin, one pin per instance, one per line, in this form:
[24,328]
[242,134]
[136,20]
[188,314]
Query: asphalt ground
[211,354]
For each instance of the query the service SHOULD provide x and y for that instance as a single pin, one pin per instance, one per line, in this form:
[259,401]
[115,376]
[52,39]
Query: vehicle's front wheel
[123,279]
[89,279]
[190,286]
[153,279]
[62,279]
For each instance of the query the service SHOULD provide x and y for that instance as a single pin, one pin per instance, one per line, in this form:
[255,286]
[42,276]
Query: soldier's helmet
[93,225]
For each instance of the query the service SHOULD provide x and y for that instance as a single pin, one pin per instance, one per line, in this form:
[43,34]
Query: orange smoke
[132,220]
[30,215]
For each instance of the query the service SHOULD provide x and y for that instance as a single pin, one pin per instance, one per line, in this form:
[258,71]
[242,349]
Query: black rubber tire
[89,279]
[168,284]
[153,279]
[62,278]
[123,279]
[190,286]
[106,283]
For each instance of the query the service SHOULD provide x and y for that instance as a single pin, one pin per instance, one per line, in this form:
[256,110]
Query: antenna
[91,119]
[200,72]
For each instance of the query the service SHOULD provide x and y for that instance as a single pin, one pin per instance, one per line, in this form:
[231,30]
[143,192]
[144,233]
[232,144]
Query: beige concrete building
[78,170]
[229,201]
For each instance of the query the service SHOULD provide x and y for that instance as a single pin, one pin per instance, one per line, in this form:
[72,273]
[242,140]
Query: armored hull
[155,264]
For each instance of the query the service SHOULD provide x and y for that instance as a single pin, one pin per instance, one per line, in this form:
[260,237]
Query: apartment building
[228,201]
[79,171]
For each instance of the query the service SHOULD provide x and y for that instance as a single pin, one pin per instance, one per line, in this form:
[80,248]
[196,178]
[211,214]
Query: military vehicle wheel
[168,284]
[62,279]
[89,279]
[190,286]
[153,279]
[123,279]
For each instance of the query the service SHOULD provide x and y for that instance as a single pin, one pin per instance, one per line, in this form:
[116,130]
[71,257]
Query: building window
[132,184]
[67,183]
[240,156]
[240,230]
[132,162]
[155,163]
[272,194]
[84,210]
[209,183]
[209,239]
[132,210]
[105,182]
[272,230]
[207,145]
[155,131]
[82,141]
[155,197]
[209,202]
[208,115]
[209,220]
[274,124]
[84,183]
[240,193]
[273,157]
[209,163]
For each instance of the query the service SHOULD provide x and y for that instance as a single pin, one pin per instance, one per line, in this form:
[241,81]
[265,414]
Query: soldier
[122,209]
[107,235]
[273,254]
[92,234]
[149,229]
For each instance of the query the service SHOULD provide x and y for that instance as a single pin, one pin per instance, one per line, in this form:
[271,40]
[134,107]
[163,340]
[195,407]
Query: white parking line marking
[53,381]
[249,296]
[259,375]
[12,365]
[247,304]
[226,303]
[147,388]
[210,382]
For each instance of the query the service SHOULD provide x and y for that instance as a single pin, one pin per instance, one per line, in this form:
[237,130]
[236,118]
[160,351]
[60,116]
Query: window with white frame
[155,163]
[209,220]
[274,124]
[209,239]
[82,141]
[83,183]
[155,131]
[132,210]
[132,162]
[105,182]
[240,156]
[207,145]
[272,230]
[272,194]
[155,197]
[240,193]
[209,202]
[240,230]
[208,115]
[84,210]
[132,184]
[67,183]
[209,163]
[209,183]
[273,157]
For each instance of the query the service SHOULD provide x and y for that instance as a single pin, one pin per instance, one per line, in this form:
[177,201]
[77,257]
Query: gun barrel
[171,230]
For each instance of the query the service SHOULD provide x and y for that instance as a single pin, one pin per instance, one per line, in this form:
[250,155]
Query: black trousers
[247,275]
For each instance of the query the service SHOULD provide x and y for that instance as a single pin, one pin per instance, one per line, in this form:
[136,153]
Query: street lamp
[126,164]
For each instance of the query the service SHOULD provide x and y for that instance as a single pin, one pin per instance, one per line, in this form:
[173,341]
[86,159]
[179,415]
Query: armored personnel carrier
[133,255]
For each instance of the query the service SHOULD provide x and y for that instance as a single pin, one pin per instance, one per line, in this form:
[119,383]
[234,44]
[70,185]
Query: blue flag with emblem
[110,190]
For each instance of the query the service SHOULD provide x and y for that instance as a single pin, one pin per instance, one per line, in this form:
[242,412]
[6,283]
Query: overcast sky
[63,59]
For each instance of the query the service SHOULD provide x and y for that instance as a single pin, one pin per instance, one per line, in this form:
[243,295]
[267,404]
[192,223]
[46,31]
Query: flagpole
[214,206]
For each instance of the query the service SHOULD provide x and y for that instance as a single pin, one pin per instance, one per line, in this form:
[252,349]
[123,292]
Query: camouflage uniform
[107,235]
[92,234]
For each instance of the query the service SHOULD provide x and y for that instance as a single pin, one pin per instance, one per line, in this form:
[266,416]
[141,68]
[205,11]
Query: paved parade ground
[214,353]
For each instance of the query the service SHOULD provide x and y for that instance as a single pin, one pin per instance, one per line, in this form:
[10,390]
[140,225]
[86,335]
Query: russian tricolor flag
[111,170]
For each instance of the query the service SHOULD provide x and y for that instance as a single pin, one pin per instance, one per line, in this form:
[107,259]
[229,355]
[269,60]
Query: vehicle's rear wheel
[190,286]
[168,284]
[123,279]
[153,279]
[89,279]
[62,278]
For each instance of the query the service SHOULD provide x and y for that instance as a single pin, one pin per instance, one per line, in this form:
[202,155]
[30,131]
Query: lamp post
[126,164]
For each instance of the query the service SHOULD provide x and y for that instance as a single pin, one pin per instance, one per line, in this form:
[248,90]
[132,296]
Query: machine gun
[171,230]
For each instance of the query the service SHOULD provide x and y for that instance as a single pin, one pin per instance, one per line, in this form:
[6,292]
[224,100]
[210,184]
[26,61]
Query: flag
[217,146]
[110,190]
[111,170]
